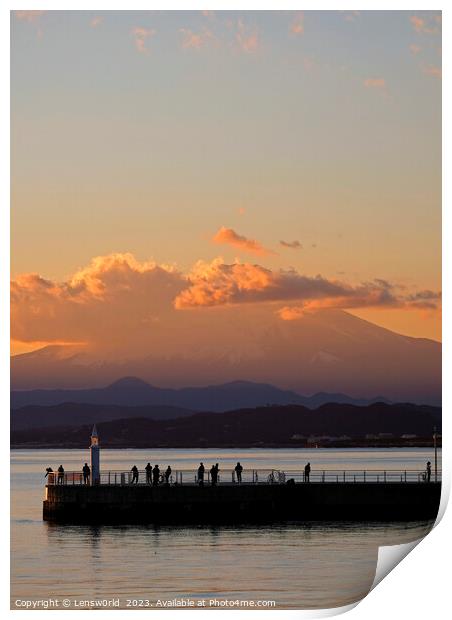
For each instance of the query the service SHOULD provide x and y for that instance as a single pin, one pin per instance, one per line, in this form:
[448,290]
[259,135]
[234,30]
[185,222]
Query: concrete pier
[245,503]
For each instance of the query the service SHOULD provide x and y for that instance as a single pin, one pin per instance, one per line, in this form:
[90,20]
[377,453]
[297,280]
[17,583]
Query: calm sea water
[298,566]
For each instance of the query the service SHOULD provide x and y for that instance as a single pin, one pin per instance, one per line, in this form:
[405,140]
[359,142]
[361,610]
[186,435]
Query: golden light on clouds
[119,299]
[324,162]
[228,236]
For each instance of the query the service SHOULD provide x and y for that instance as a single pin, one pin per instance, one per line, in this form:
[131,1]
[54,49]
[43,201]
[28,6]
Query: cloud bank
[217,283]
[119,301]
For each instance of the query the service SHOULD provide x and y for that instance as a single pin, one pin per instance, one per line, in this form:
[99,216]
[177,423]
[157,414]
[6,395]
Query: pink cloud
[377,83]
[195,40]
[350,16]
[29,16]
[141,35]
[432,70]
[96,21]
[227,236]
[426,25]
[297,24]
[247,38]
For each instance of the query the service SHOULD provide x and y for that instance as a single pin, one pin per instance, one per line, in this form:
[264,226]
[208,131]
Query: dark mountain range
[75,414]
[133,392]
[263,426]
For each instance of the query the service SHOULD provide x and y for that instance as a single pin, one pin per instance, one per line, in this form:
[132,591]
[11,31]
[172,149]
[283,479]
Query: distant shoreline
[333,446]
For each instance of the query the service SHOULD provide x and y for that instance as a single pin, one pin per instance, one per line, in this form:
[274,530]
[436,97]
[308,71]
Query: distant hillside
[263,426]
[133,392]
[75,414]
[326,351]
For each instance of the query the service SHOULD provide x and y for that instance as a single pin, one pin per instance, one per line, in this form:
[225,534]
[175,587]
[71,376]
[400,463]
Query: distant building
[327,438]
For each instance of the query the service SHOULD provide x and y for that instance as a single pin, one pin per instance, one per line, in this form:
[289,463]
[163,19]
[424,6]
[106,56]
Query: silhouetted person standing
[167,474]
[49,470]
[155,475]
[429,471]
[86,473]
[201,470]
[134,471]
[307,472]
[238,470]
[213,475]
[60,474]
[148,470]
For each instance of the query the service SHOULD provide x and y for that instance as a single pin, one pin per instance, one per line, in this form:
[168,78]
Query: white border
[419,587]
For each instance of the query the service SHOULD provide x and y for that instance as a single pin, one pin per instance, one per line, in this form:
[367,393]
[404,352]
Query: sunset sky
[165,163]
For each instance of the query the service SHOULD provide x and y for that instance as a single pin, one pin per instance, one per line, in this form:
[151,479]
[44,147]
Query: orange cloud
[140,36]
[350,16]
[417,22]
[432,70]
[366,296]
[377,83]
[227,236]
[291,313]
[247,38]
[426,25]
[195,41]
[118,303]
[28,16]
[111,298]
[217,283]
[297,24]
[96,21]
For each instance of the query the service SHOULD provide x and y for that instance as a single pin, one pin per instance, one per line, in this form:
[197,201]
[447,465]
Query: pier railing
[249,476]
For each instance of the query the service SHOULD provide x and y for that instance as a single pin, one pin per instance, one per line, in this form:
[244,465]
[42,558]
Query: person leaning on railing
[238,470]
[86,473]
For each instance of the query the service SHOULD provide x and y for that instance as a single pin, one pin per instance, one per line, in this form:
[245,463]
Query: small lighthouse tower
[95,457]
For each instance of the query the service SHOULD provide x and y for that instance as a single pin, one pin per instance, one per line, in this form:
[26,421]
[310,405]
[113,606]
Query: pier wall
[242,503]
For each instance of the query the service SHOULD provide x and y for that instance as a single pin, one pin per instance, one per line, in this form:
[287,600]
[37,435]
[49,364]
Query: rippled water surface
[298,566]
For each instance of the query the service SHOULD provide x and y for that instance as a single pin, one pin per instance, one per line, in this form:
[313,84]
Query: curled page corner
[445,493]
[388,558]
[391,555]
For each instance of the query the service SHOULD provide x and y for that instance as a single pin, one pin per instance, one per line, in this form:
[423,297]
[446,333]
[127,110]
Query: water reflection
[299,565]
